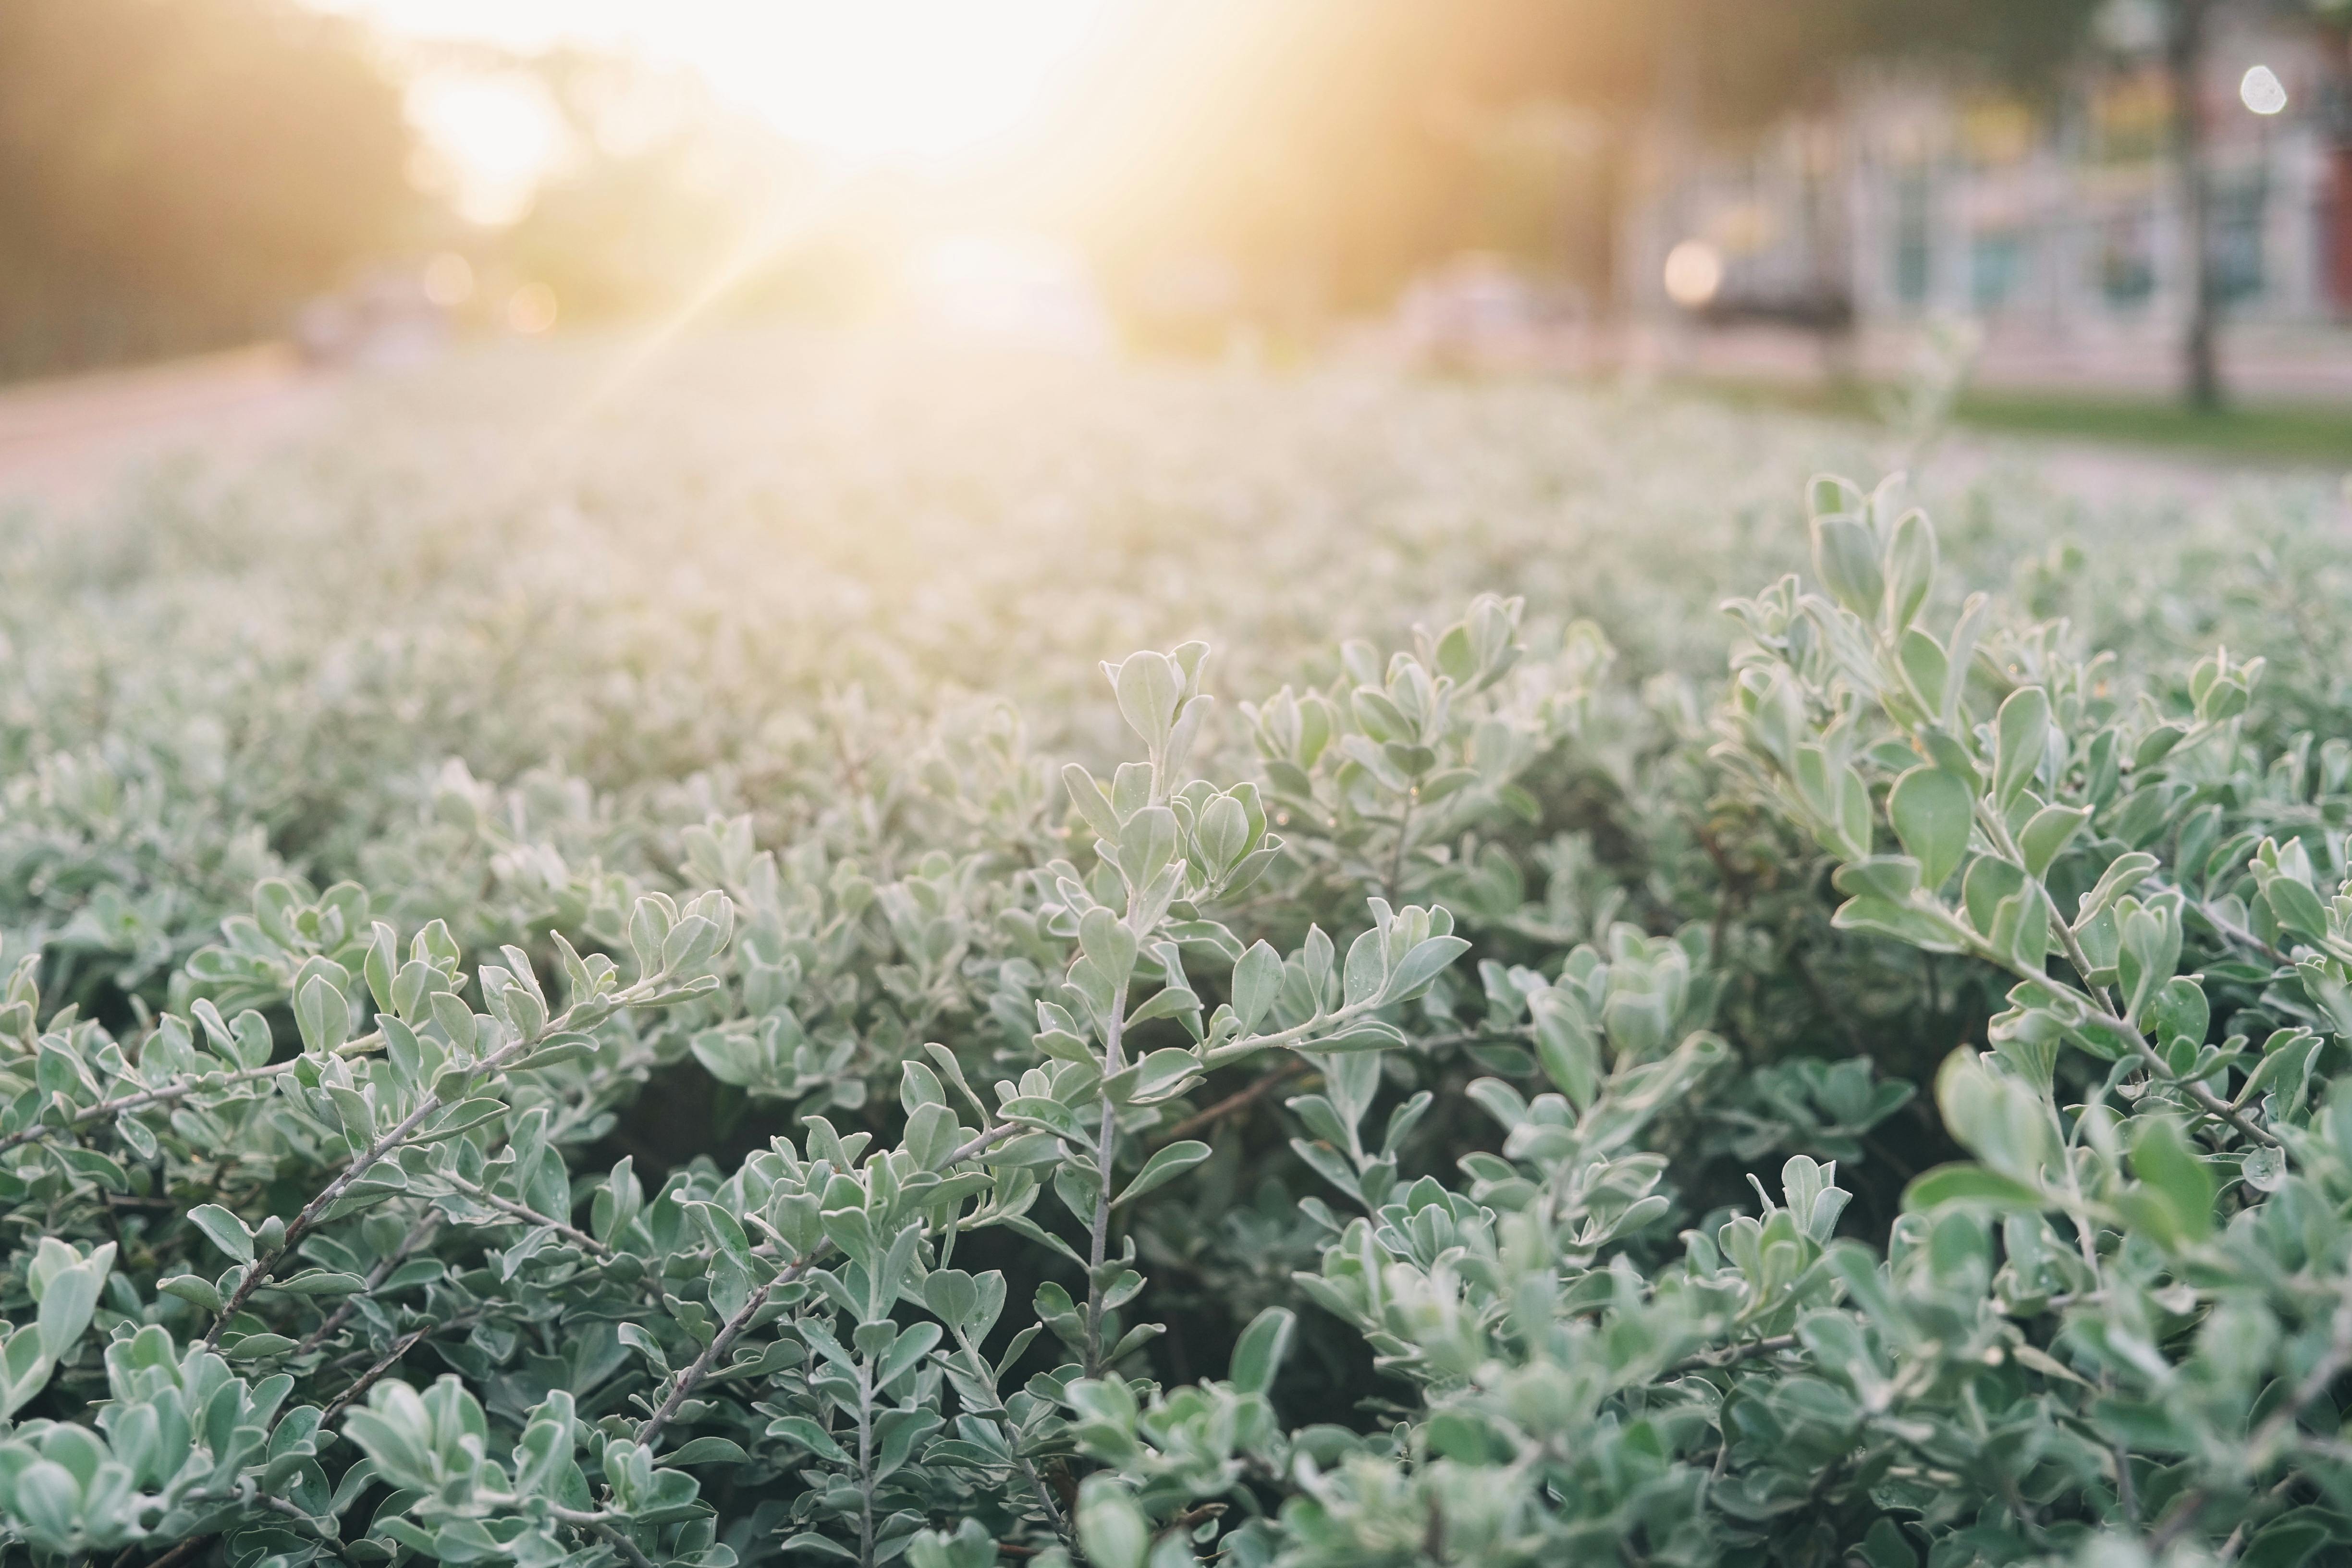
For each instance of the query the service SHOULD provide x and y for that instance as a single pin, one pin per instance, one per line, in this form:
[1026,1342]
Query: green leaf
[252,1347]
[193,1288]
[810,1540]
[2122,874]
[1971,1186]
[1930,930]
[1891,878]
[2163,1158]
[70,1301]
[1428,959]
[1164,1167]
[1931,810]
[707,1452]
[322,1015]
[1257,980]
[226,1230]
[2288,1543]
[1910,567]
[2021,733]
[799,1429]
[1845,553]
[1884,1546]
[1093,804]
[1111,1526]
[2296,908]
[1108,943]
[1568,1045]
[1991,882]
[2047,835]
[1258,1353]
[912,1346]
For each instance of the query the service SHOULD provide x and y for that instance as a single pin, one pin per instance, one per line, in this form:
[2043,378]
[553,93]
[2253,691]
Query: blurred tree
[1326,150]
[177,174]
[2187,26]
[657,194]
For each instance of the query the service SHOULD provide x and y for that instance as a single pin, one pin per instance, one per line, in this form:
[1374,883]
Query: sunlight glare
[908,82]
[495,137]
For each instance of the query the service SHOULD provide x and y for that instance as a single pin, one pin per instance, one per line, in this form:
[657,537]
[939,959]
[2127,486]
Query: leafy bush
[1458,1106]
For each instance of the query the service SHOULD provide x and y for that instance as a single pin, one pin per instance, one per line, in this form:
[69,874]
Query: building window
[2237,241]
[1914,240]
[2126,258]
[1996,266]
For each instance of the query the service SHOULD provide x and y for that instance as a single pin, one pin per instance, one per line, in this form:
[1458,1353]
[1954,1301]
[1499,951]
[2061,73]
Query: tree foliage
[178,174]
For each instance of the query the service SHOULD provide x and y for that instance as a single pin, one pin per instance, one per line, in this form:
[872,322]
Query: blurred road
[68,441]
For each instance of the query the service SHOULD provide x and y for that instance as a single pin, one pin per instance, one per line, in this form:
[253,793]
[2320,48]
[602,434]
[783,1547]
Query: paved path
[65,442]
[68,442]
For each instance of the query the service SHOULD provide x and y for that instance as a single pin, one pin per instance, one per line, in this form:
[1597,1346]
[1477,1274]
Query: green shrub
[1458,1106]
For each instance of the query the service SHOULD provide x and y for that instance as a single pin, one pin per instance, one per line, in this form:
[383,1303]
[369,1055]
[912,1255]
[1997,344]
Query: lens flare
[1693,274]
[2261,91]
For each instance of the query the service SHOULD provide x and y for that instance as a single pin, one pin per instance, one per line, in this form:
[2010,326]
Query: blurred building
[387,319]
[2062,230]
[1481,312]
[1013,291]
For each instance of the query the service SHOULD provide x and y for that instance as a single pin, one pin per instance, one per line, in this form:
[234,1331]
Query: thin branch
[1240,1100]
[1004,1417]
[180,1090]
[109,1108]
[182,1552]
[700,1369]
[2101,1012]
[316,1209]
[1250,1044]
[2266,1437]
[312,1213]
[1106,1152]
[525,1213]
[1395,880]
[418,1234]
[1712,1360]
[329,1537]
[980,1144]
[600,1526]
[368,1379]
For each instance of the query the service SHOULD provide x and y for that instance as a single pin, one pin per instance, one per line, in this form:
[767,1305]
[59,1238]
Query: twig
[262,1269]
[1012,1437]
[2280,1423]
[1395,880]
[2101,1011]
[316,1209]
[105,1108]
[180,1090]
[1240,1099]
[418,1234]
[1106,1152]
[1711,1361]
[700,1369]
[980,1144]
[367,1380]
[330,1539]
[572,1234]
[597,1525]
[182,1552]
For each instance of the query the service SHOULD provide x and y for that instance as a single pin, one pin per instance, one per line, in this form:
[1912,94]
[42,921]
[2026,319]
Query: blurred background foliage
[180,173]
[184,173]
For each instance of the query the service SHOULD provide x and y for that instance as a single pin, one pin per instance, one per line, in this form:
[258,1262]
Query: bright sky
[899,81]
